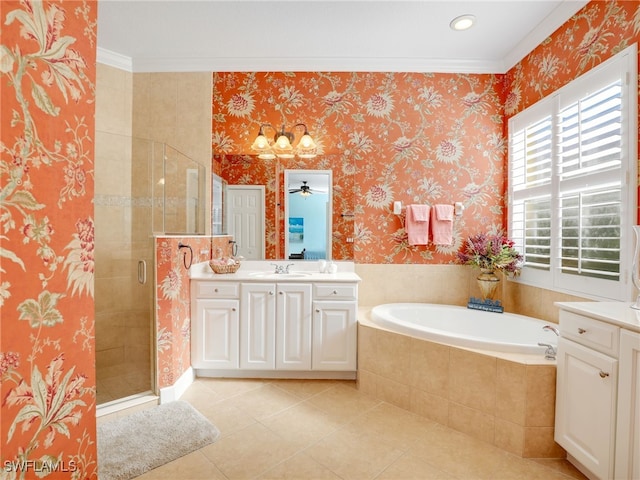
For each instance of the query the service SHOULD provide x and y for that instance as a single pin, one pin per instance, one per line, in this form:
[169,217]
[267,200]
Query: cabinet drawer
[600,336]
[334,291]
[217,289]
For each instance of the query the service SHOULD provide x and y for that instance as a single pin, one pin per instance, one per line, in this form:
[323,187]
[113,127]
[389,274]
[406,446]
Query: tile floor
[115,382]
[303,429]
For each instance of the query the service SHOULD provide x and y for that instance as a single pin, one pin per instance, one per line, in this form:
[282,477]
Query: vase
[488,283]
[635,275]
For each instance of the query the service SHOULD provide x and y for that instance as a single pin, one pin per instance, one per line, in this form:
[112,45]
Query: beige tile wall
[507,404]
[450,285]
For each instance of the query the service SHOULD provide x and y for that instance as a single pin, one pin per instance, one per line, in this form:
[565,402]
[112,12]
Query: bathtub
[460,326]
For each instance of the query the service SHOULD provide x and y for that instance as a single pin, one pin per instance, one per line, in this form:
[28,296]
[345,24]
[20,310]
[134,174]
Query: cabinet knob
[281,293]
[335,292]
[233,309]
[271,293]
[603,374]
[216,290]
[581,331]
[317,310]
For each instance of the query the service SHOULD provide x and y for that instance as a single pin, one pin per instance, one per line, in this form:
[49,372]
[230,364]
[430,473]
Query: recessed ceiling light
[463,22]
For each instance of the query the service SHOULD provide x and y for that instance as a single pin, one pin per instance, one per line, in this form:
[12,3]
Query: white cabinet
[334,335]
[598,388]
[275,326]
[586,406]
[214,326]
[293,326]
[266,328]
[627,464]
[335,326]
[257,326]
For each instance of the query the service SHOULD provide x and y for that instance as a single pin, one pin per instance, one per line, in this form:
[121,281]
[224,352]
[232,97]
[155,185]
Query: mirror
[307,214]
[249,170]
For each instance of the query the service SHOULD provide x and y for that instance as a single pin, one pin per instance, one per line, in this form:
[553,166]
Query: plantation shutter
[531,149]
[589,150]
[572,156]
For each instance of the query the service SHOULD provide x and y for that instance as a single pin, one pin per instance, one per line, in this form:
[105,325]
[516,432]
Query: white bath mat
[137,443]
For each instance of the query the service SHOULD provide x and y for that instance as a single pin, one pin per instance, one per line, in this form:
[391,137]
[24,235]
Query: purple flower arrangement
[492,252]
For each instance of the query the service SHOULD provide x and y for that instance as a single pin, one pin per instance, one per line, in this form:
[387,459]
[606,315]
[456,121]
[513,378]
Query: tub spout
[553,329]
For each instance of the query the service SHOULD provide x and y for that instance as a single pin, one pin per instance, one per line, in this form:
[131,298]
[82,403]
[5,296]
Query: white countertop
[262,271]
[616,313]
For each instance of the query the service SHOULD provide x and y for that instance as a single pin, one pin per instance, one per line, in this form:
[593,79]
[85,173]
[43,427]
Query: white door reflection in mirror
[307,214]
[245,218]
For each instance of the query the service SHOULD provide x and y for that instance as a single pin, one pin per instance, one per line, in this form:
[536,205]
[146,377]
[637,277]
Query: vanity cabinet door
[586,406]
[214,338]
[293,326]
[628,431]
[334,335]
[257,326]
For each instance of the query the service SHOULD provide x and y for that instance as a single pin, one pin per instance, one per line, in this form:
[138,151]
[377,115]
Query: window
[572,161]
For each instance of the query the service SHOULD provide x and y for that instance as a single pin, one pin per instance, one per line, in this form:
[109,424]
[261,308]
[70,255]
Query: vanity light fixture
[463,22]
[282,145]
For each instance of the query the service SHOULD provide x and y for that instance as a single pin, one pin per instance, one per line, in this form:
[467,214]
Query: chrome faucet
[551,351]
[282,268]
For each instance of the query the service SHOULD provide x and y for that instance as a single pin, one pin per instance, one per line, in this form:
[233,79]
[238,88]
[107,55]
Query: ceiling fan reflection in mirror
[305,190]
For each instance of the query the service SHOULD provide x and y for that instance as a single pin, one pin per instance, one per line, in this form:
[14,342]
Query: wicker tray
[224,268]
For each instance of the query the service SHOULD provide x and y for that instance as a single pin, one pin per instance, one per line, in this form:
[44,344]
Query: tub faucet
[550,352]
[553,329]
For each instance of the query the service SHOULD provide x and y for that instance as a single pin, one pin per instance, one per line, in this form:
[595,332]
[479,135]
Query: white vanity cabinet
[334,327]
[271,325]
[627,464]
[215,333]
[275,326]
[598,388]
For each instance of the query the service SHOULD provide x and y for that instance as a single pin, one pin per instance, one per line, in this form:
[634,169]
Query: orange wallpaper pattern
[597,32]
[173,312]
[47,355]
[417,138]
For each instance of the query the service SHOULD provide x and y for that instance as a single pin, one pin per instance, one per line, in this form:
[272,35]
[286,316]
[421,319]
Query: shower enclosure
[142,188]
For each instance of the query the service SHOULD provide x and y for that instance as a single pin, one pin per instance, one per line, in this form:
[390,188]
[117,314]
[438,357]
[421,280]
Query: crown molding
[553,21]
[113,59]
[306,64]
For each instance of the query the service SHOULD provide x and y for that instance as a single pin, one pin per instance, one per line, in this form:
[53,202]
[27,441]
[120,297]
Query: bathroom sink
[278,276]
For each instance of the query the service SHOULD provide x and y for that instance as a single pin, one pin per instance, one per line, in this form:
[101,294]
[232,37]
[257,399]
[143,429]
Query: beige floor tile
[343,402]
[304,424]
[304,388]
[265,401]
[409,467]
[354,456]
[226,415]
[337,432]
[398,427]
[249,452]
[194,466]
[298,467]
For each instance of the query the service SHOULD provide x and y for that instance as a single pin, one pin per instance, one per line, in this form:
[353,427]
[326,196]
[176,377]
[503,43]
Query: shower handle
[142,272]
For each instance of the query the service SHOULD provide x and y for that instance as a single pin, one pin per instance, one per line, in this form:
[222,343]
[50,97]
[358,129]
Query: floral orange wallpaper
[47,358]
[173,312]
[417,138]
[594,34]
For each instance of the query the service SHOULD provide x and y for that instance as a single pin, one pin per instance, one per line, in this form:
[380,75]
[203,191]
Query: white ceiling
[318,35]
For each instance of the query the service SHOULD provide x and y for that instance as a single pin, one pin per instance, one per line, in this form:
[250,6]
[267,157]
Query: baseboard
[290,374]
[175,391]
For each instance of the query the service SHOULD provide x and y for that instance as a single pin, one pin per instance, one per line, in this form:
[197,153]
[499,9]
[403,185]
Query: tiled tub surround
[507,400]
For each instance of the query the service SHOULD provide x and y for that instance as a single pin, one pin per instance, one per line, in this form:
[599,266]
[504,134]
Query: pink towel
[417,224]
[442,224]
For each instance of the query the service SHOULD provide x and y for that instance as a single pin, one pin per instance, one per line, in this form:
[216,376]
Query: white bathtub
[453,325]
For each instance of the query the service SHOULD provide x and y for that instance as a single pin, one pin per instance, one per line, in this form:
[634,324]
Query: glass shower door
[124,256]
